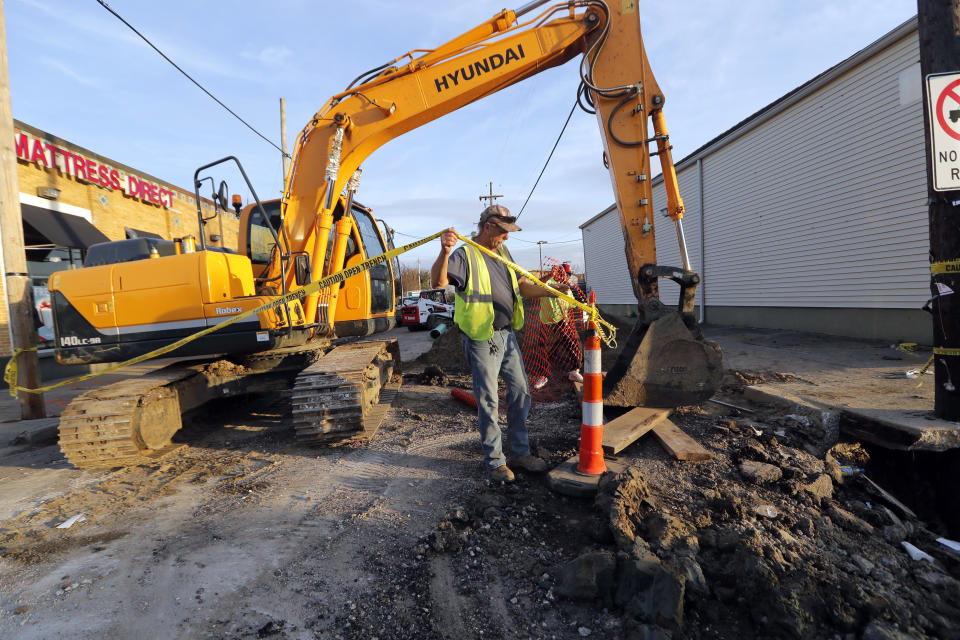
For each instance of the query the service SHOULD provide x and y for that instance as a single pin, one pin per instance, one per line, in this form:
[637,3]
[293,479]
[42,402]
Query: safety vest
[473,307]
[552,310]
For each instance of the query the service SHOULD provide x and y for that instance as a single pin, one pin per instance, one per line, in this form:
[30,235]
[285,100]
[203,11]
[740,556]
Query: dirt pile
[433,376]
[766,541]
[447,352]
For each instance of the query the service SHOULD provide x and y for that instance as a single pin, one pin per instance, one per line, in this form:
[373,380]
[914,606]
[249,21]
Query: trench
[925,481]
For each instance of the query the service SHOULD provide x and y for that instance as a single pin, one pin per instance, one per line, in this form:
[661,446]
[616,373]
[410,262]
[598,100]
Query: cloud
[83,27]
[268,55]
[70,72]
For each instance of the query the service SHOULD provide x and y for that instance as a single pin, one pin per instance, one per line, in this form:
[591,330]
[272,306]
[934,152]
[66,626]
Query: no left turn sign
[943,107]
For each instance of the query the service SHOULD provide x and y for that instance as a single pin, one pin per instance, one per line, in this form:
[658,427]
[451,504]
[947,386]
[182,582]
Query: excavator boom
[675,367]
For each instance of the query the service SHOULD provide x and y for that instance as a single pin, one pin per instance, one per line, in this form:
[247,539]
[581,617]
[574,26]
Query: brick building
[72,198]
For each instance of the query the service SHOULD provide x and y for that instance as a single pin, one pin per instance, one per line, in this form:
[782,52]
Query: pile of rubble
[765,540]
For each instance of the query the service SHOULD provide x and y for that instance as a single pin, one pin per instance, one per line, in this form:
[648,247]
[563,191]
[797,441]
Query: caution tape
[10,374]
[908,347]
[947,266]
[922,372]
[609,336]
[937,351]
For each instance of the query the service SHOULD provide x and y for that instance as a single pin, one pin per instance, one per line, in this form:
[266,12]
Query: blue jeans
[490,359]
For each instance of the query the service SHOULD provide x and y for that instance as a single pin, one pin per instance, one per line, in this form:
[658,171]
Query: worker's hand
[562,287]
[448,240]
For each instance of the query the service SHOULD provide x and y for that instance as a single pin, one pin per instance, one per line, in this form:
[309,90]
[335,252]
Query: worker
[558,334]
[488,310]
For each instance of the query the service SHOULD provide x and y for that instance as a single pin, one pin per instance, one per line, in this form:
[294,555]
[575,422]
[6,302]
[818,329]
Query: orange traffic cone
[591,427]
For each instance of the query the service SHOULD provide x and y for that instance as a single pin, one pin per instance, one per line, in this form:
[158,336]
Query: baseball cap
[500,216]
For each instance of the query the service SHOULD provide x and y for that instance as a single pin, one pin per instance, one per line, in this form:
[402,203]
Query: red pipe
[464,396]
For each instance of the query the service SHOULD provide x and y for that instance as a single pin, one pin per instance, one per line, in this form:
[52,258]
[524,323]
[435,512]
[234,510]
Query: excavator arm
[423,85]
[401,97]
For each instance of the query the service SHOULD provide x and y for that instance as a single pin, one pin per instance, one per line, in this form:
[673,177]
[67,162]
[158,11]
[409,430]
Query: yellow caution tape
[907,347]
[10,374]
[609,337]
[947,266]
[937,351]
[297,294]
[923,371]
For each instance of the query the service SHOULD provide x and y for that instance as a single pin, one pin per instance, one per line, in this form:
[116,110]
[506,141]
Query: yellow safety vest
[553,310]
[473,307]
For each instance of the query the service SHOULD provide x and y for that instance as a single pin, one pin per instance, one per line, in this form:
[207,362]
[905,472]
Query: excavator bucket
[666,362]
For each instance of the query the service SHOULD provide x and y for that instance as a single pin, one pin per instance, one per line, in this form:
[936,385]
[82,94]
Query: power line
[217,100]
[547,242]
[570,115]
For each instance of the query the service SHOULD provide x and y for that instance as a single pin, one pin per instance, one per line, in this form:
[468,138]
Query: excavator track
[132,422]
[125,423]
[343,397]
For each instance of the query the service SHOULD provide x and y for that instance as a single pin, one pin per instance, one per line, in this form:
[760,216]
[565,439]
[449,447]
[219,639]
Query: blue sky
[80,74]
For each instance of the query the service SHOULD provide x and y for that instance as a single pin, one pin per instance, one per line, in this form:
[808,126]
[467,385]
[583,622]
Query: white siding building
[810,214]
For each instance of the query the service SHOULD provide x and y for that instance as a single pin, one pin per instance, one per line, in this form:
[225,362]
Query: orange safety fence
[551,339]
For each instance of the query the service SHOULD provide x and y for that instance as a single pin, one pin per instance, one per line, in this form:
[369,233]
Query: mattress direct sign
[50,156]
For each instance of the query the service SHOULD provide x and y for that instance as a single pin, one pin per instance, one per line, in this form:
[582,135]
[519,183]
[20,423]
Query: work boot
[574,376]
[539,382]
[502,474]
[531,464]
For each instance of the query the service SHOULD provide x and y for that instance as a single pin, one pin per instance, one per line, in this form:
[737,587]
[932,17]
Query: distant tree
[409,280]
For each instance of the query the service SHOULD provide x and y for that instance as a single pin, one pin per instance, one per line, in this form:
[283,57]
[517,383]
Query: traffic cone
[591,427]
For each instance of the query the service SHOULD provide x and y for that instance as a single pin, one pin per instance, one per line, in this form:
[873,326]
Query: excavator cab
[365,301]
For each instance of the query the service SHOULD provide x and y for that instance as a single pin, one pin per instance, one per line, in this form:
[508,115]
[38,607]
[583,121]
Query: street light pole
[540,244]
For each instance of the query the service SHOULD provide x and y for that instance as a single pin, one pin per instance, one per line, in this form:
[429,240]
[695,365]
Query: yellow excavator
[129,305]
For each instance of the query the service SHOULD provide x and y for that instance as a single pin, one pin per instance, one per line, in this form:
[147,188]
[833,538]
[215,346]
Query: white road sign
[943,106]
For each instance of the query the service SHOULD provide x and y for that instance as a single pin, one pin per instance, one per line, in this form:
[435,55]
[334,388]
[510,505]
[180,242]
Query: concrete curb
[900,430]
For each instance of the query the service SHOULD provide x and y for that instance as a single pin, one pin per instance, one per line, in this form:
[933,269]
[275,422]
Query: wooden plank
[678,444]
[620,433]
[567,480]
[888,498]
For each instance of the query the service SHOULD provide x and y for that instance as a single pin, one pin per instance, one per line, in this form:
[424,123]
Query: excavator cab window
[350,251]
[259,239]
[381,299]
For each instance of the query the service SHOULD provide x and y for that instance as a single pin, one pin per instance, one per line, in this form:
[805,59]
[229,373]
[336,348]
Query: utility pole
[540,244]
[939,28]
[492,197]
[18,284]
[285,158]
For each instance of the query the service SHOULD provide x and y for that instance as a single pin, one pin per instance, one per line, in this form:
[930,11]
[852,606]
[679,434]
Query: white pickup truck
[426,311]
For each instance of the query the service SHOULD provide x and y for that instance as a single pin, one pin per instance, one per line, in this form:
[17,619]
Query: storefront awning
[61,229]
[138,233]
